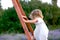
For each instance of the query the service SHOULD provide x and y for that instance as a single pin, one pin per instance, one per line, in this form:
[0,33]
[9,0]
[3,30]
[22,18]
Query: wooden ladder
[25,26]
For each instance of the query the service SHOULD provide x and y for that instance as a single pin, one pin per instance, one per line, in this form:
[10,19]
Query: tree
[0,4]
[54,2]
[54,11]
[35,0]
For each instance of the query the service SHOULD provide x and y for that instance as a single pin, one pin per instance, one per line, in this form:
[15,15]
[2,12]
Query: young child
[41,30]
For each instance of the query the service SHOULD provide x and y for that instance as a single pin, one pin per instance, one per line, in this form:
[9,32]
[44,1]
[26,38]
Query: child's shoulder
[39,19]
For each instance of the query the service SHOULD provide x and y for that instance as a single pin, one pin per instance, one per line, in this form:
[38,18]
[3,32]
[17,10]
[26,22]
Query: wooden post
[20,12]
[23,13]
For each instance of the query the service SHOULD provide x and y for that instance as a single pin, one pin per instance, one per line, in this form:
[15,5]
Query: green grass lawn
[53,27]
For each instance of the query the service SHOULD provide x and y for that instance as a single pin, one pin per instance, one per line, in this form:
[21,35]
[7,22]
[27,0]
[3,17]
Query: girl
[41,30]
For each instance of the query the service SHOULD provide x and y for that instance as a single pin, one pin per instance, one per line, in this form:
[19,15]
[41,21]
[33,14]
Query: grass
[53,27]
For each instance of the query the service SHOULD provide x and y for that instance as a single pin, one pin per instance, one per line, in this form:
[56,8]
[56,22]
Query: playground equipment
[26,26]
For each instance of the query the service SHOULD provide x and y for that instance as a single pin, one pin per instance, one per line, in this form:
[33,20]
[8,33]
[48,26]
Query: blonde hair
[36,13]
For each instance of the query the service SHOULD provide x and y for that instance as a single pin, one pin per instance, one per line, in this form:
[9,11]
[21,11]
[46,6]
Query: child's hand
[24,17]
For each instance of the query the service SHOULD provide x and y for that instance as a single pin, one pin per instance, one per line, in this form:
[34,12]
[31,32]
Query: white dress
[41,30]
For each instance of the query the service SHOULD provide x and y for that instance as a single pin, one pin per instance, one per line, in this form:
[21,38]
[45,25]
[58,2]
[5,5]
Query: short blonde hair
[36,13]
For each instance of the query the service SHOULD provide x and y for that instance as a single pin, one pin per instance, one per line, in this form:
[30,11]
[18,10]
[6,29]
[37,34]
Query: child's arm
[29,21]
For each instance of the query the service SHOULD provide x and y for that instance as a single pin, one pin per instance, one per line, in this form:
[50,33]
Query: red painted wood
[23,13]
[20,12]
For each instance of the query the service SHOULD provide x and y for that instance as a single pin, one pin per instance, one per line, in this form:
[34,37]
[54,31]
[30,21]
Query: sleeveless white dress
[41,31]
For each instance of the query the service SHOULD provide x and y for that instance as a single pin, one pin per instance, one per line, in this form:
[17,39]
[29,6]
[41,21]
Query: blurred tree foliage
[9,21]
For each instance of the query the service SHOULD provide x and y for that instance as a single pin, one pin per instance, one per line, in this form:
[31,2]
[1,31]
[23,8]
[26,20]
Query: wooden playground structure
[26,26]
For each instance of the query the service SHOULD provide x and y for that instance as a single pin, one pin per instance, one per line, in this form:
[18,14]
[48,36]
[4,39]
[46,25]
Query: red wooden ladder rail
[20,12]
